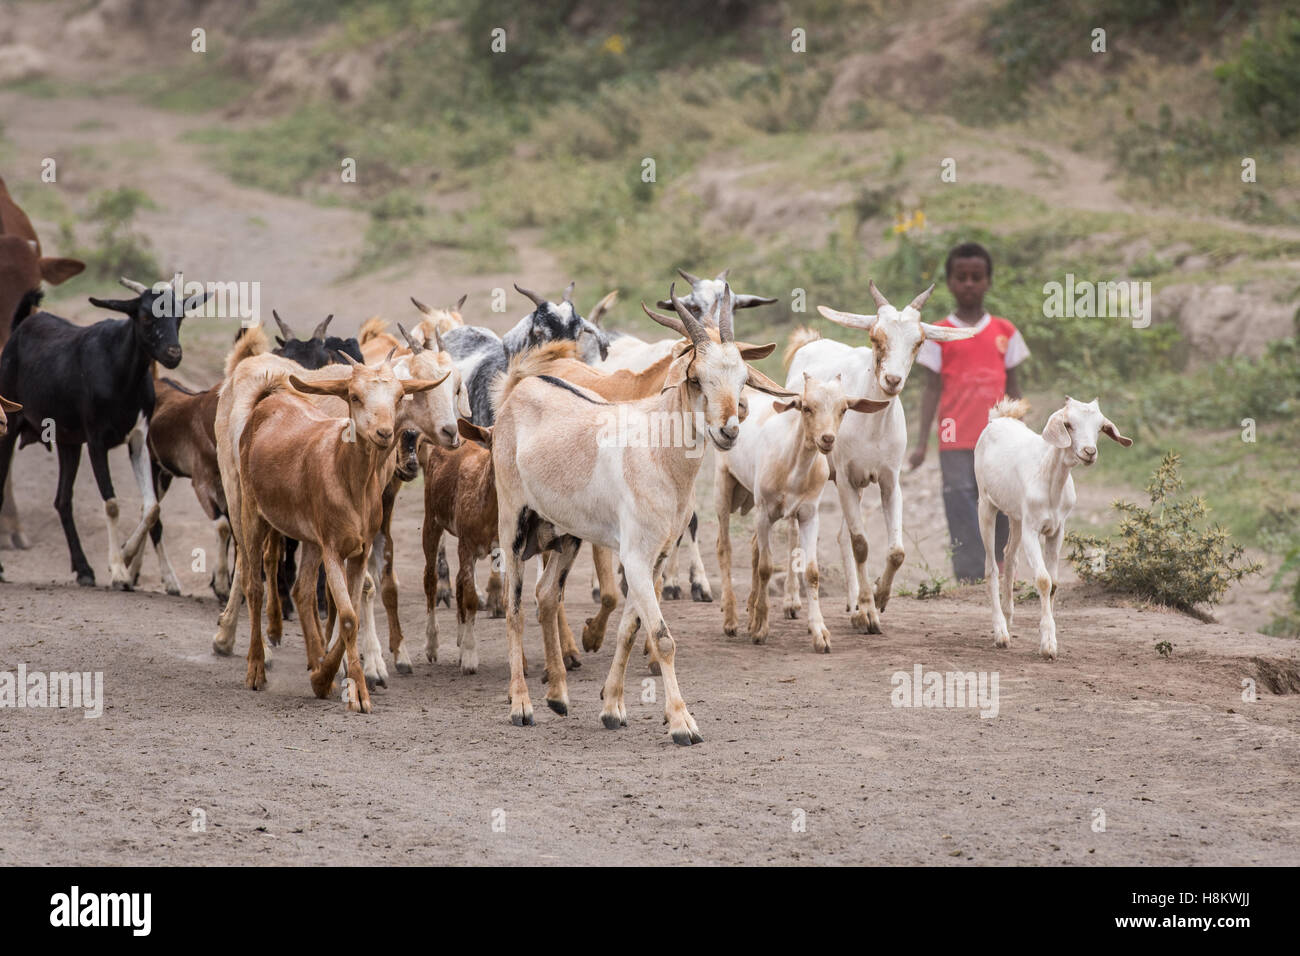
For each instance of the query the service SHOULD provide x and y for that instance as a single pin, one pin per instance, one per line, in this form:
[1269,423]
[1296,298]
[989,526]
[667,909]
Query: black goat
[94,383]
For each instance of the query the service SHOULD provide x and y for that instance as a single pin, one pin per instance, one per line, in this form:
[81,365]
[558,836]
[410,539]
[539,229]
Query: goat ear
[194,301]
[337,387]
[1110,431]
[116,305]
[677,370]
[754,352]
[475,433]
[762,383]
[55,271]
[9,406]
[942,333]
[1054,432]
[779,406]
[413,385]
[749,301]
[850,320]
[868,405]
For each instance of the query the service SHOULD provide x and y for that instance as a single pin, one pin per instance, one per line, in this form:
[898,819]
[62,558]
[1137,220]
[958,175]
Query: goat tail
[798,339]
[251,341]
[1008,407]
[372,328]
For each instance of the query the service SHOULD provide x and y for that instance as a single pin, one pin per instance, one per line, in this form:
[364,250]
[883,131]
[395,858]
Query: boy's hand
[917,458]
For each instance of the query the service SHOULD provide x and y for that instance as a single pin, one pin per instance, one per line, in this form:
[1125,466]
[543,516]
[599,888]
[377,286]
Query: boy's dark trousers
[961,503]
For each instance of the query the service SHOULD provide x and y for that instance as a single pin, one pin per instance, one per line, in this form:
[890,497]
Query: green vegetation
[1160,554]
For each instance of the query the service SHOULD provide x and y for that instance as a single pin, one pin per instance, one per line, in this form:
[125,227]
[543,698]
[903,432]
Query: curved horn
[319,334]
[693,280]
[876,294]
[693,328]
[667,321]
[421,306]
[285,331]
[136,287]
[460,303]
[726,313]
[410,342]
[388,359]
[351,361]
[919,301]
[437,340]
[722,276]
[568,293]
[537,299]
[601,307]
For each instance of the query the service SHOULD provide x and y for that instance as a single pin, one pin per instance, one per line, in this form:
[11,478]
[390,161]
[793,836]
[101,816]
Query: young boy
[964,380]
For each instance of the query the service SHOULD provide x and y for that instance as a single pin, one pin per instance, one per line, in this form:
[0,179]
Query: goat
[779,465]
[6,406]
[182,442]
[871,447]
[22,270]
[95,384]
[561,481]
[336,517]
[1027,477]
[440,321]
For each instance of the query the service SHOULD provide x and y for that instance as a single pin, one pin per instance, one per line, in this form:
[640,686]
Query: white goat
[1027,478]
[560,481]
[779,465]
[870,447]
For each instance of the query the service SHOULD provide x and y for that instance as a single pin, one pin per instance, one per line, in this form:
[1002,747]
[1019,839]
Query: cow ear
[55,271]
[475,433]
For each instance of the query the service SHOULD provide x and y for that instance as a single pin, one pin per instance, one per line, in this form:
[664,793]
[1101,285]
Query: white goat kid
[870,447]
[779,465]
[1027,477]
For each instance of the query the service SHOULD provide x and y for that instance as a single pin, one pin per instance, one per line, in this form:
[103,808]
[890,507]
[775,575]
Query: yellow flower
[614,44]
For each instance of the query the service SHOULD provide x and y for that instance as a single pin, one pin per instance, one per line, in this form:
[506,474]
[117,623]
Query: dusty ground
[1183,769]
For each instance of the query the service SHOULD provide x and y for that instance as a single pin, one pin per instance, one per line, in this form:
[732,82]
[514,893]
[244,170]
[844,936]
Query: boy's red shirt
[974,376]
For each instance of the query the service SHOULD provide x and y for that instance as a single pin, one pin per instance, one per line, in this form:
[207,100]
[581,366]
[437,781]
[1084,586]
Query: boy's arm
[1013,384]
[929,407]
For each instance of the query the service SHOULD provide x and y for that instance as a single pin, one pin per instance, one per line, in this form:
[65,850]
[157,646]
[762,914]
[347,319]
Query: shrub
[1159,554]
[119,251]
[1263,80]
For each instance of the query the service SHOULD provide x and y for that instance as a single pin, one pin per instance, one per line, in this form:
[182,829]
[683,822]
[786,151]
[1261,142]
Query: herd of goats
[298,455]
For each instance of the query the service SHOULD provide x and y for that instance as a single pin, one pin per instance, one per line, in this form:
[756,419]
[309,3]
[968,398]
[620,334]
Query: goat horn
[722,276]
[319,334]
[725,315]
[460,304]
[693,327]
[437,340]
[351,361]
[601,307]
[389,357]
[285,331]
[920,299]
[421,306]
[693,280]
[411,343]
[667,321]
[537,300]
[876,294]
[568,293]
[136,287]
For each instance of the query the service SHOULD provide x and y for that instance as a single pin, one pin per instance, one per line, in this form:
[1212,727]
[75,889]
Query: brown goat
[336,517]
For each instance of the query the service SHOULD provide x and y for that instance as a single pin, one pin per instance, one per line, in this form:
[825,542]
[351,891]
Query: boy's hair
[968,250]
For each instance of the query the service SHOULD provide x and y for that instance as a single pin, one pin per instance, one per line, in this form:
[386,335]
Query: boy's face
[969,281]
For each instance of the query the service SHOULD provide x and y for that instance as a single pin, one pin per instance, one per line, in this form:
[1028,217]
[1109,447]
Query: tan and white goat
[562,480]
[779,466]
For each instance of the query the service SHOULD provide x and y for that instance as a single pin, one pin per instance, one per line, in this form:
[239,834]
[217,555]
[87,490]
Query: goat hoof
[672,592]
[792,612]
[699,594]
[121,586]
[524,719]
[729,630]
[561,707]
[572,662]
[86,579]
[612,721]
[404,667]
[685,737]
[20,541]
[655,668]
